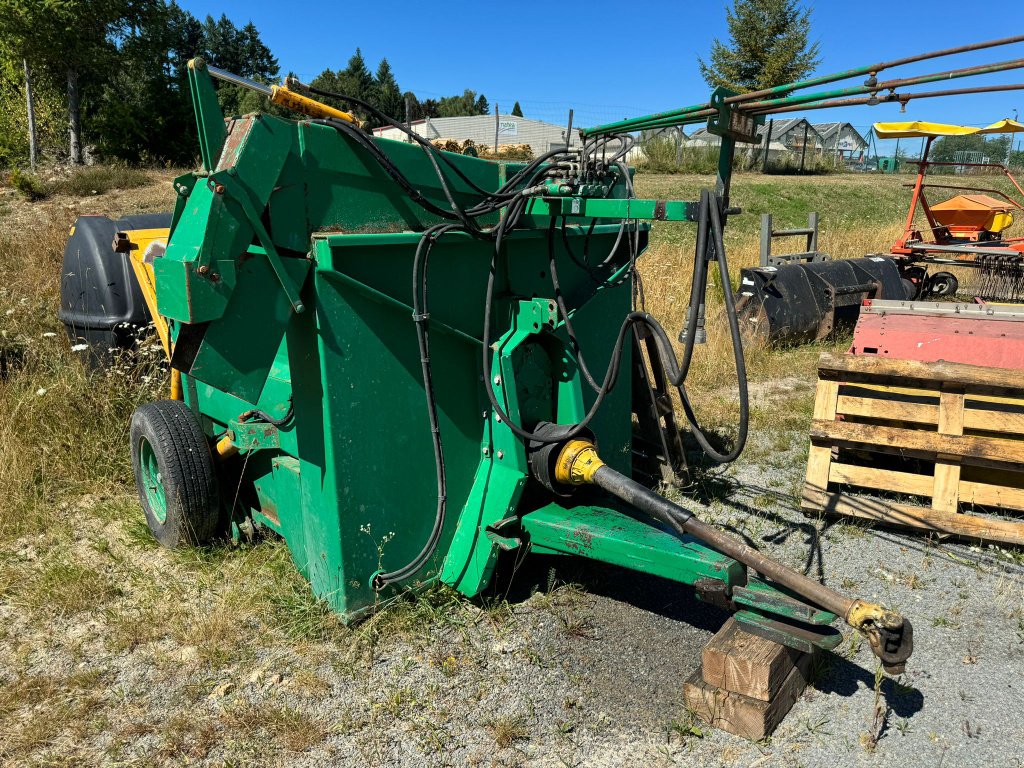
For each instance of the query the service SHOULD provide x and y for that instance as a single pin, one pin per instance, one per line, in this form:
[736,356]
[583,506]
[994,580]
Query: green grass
[83,181]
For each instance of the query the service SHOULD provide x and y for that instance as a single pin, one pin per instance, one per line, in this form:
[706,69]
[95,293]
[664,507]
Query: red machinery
[966,230]
[928,331]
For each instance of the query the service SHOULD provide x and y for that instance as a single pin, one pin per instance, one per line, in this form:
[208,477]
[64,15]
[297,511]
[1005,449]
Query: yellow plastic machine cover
[974,212]
[920,129]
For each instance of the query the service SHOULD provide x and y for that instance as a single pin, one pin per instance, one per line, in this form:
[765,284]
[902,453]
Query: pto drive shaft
[890,635]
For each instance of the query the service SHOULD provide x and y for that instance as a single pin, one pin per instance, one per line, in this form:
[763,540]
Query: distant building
[673,133]
[843,140]
[542,137]
[787,135]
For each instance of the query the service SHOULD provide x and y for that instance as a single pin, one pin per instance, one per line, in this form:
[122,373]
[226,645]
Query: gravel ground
[583,668]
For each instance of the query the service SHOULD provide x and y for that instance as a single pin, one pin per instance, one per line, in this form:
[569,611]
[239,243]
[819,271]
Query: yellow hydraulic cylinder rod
[279,94]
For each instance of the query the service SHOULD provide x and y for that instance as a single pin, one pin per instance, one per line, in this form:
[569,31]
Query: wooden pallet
[949,433]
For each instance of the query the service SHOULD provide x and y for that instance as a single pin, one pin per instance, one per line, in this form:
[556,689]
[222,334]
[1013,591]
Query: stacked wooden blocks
[746,684]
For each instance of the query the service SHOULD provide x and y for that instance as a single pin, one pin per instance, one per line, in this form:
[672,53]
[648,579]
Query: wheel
[909,289]
[943,284]
[174,474]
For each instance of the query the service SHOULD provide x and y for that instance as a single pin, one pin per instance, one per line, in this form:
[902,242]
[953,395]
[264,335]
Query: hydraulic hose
[709,226]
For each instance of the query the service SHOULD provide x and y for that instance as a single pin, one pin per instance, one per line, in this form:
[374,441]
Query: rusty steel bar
[694,112]
[902,98]
[888,85]
[873,69]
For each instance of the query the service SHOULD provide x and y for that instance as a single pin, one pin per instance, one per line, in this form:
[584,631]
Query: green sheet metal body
[288,284]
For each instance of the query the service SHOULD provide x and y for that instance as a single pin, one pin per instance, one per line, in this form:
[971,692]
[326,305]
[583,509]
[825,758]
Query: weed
[28,185]
[686,728]
[290,728]
[816,727]
[508,730]
[98,179]
[68,587]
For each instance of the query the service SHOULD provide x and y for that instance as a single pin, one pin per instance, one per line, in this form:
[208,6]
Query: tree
[50,119]
[517,111]
[769,45]
[430,108]
[387,95]
[242,52]
[482,107]
[357,81]
[151,80]
[458,106]
[73,41]
[415,108]
[995,149]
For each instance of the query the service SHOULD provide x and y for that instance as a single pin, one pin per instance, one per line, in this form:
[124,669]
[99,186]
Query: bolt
[501,454]
[498,419]
[497,381]
[218,189]
[487,451]
[203,269]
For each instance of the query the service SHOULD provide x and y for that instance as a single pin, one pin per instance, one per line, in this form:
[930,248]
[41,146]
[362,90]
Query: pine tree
[769,45]
[356,77]
[517,111]
[482,107]
[387,95]
[257,60]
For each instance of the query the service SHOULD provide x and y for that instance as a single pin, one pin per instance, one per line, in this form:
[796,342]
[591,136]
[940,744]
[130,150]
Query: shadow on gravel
[542,573]
[842,677]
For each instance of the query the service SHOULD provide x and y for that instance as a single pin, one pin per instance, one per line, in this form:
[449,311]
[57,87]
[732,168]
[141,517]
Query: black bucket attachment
[799,303]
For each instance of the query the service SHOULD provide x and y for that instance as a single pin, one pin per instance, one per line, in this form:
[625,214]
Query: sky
[611,60]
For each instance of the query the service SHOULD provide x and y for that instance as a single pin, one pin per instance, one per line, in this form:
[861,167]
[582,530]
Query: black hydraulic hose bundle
[509,200]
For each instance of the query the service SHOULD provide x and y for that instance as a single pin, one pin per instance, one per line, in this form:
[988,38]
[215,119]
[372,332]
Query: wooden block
[740,662]
[752,719]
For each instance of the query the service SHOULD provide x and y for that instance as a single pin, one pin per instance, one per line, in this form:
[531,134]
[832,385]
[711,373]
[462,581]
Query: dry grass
[508,730]
[667,269]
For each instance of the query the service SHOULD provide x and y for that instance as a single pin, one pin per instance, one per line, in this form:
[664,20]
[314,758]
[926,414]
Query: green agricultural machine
[406,362]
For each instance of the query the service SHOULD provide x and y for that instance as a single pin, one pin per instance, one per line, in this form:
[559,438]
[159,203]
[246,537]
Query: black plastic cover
[101,303]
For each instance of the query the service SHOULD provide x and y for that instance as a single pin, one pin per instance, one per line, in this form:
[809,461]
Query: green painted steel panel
[610,536]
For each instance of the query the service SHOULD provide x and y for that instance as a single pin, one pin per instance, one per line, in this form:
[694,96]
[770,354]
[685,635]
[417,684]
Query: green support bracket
[612,208]
[253,435]
[209,116]
[732,123]
[792,634]
[613,537]
[236,194]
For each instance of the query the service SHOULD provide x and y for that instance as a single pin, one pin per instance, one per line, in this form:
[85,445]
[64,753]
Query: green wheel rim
[152,481]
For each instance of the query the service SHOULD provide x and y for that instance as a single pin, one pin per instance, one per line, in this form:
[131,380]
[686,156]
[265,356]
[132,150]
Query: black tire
[909,289]
[174,474]
[943,284]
